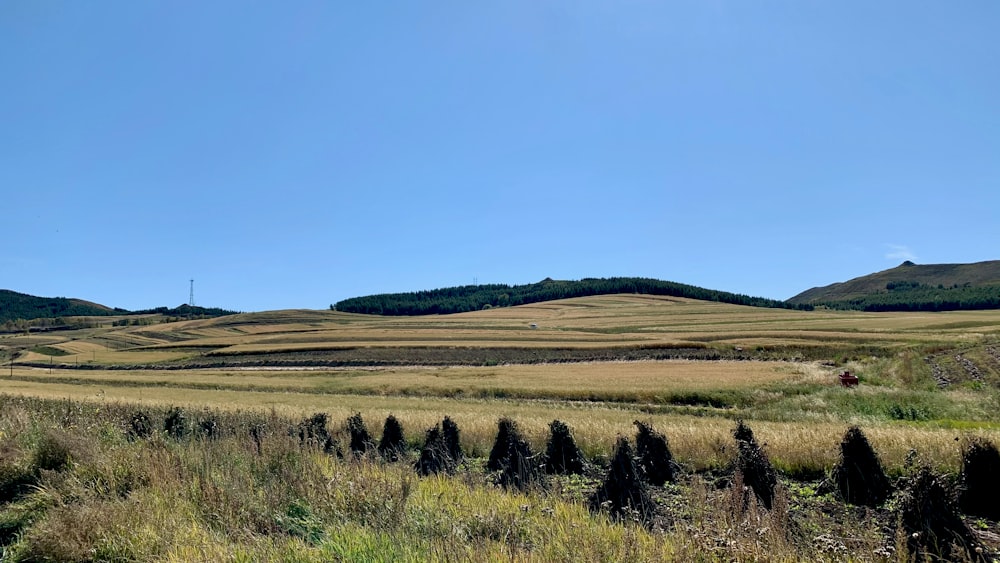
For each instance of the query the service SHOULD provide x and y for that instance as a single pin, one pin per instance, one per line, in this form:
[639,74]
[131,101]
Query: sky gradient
[289,155]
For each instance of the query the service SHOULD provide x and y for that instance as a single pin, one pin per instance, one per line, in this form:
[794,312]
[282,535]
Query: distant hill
[14,305]
[20,306]
[475,297]
[913,287]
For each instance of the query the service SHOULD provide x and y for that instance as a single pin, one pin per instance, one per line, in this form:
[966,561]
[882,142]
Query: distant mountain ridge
[912,287]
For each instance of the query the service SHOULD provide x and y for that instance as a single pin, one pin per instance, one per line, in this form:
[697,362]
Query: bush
[931,522]
[434,457]
[656,462]
[452,439]
[858,475]
[511,456]
[623,494]
[980,479]
[312,432]
[140,426]
[393,444]
[361,440]
[562,456]
[753,465]
[209,428]
[176,424]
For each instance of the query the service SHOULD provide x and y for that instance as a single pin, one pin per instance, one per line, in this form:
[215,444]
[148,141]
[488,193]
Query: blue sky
[290,155]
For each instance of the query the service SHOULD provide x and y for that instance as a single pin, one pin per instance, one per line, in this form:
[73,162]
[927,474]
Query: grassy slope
[979,273]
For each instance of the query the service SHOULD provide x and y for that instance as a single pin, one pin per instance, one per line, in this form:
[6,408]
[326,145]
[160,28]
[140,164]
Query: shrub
[452,439]
[505,427]
[753,466]
[980,479]
[858,474]
[176,424]
[361,440]
[562,456]
[511,456]
[434,457]
[312,432]
[393,444]
[209,428]
[139,426]
[623,494]
[656,462]
[931,522]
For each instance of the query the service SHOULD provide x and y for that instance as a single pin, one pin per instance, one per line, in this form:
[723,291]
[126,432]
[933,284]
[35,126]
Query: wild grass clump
[753,467]
[55,451]
[656,462]
[859,475]
[623,494]
[393,444]
[176,424]
[980,479]
[361,440]
[434,456]
[512,458]
[562,456]
[931,521]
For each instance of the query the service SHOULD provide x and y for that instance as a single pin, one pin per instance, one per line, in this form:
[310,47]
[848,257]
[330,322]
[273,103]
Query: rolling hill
[913,287]
[468,298]
[14,305]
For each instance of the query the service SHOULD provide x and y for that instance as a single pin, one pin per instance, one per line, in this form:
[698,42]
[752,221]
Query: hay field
[281,363]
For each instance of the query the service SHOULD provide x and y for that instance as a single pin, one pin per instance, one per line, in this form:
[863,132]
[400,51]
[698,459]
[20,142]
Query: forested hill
[475,297]
[22,307]
[912,287]
[14,305]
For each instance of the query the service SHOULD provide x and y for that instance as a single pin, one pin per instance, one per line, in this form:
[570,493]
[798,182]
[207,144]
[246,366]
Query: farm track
[971,369]
[938,373]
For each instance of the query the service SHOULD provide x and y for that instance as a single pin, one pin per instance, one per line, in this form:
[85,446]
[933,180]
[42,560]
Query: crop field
[929,384]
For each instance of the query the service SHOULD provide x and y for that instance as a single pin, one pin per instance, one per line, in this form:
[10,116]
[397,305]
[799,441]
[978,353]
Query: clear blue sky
[292,154]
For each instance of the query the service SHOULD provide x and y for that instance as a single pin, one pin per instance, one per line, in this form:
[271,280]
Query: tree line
[913,296]
[466,298]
